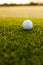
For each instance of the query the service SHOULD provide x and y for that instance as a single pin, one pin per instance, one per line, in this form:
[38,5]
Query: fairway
[22,11]
[19,46]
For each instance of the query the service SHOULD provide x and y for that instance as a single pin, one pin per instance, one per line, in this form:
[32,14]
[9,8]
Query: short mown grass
[19,46]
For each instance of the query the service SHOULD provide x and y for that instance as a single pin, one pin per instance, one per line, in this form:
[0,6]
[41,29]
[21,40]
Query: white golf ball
[27,24]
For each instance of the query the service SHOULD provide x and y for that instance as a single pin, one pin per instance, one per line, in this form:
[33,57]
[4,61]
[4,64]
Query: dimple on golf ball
[27,24]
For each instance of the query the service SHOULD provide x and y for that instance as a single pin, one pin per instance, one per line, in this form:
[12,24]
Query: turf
[19,46]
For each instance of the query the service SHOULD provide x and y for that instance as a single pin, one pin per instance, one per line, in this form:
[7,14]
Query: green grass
[19,46]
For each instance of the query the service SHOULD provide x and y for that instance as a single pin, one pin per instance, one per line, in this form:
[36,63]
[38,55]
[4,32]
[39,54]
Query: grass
[19,46]
[21,11]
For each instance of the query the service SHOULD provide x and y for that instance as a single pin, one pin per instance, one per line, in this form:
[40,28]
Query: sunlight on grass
[19,46]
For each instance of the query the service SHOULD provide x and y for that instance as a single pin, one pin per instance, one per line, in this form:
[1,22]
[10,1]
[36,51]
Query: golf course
[22,11]
[19,46]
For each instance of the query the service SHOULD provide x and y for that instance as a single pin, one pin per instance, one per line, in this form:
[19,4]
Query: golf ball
[27,24]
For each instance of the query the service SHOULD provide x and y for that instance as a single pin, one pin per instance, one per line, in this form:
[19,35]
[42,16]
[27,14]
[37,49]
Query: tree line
[13,4]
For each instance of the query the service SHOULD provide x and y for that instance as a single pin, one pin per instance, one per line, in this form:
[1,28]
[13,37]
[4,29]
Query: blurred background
[29,2]
[21,8]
